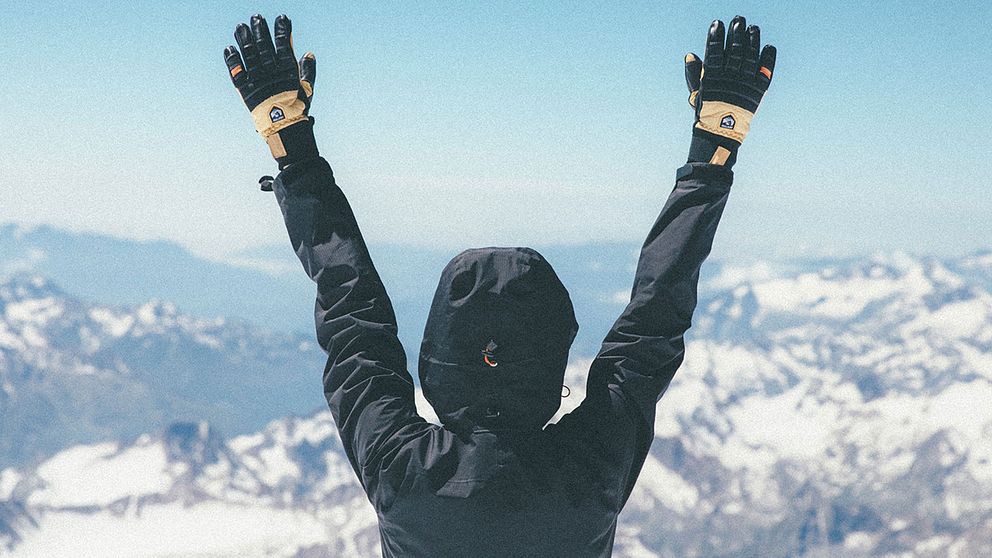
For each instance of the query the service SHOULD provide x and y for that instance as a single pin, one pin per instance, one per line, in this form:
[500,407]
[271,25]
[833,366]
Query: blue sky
[460,124]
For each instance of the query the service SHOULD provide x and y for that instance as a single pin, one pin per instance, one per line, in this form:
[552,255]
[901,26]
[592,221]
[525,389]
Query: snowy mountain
[837,412]
[846,408]
[73,372]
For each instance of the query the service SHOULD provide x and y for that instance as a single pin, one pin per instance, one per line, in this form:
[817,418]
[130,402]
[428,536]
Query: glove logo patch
[728,122]
[276,114]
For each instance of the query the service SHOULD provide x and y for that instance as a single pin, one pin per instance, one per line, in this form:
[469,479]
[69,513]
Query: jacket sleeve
[366,382]
[645,346]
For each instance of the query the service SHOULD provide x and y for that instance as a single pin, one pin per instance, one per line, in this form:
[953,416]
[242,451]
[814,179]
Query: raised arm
[646,345]
[366,382]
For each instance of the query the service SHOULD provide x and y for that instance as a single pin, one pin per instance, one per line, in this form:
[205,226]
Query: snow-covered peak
[46,327]
[979,260]
[77,370]
[99,475]
[25,287]
[835,410]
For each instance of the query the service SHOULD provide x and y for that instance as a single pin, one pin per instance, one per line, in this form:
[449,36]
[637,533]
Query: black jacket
[491,481]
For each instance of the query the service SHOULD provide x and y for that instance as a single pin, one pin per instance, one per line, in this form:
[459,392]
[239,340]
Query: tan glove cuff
[277,112]
[725,119]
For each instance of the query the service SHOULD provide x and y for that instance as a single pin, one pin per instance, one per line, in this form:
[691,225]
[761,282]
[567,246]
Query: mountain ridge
[839,411]
[73,371]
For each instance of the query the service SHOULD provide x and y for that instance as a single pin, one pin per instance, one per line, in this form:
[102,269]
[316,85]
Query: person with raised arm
[495,479]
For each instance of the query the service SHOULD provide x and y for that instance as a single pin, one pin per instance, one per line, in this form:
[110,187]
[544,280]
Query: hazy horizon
[277,258]
[518,124]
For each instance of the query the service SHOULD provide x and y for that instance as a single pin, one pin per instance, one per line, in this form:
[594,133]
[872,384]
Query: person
[494,479]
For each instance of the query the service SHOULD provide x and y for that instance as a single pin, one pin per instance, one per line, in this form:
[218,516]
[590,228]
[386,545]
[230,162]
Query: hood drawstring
[489,354]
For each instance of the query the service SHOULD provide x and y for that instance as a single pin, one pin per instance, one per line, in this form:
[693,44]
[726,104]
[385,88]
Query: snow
[82,369]
[10,340]
[957,320]
[739,368]
[667,486]
[933,544]
[276,466]
[146,314]
[789,426]
[978,261]
[964,408]
[575,378]
[763,413]
[242,444]
[39,311]
[90,342]
[803,351]
[348,520]
[975,359]
[943,275]
[32,337]
[628,544]
[207,340]
[314,430]
[874,355]
[151,312]
[838,298]
[8,480]
[859,541]
[209,529]
[339,472]
[956,549]
[115,325]
[894,424]
[99,474]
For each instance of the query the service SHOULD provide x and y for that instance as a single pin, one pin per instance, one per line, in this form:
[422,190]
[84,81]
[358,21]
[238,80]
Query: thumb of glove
[308,74]
[693,76]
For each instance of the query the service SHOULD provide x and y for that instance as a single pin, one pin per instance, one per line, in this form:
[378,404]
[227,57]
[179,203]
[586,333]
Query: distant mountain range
[266,286]
[830,408]
[72,371]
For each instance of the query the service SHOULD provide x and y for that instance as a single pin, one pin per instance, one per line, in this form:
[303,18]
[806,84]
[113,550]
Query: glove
[726,89]
[275,88]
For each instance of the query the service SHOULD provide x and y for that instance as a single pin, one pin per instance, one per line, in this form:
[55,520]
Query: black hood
[496,342]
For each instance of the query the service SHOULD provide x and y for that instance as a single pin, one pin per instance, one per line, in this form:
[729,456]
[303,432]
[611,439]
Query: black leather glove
[726,89]
[275,88]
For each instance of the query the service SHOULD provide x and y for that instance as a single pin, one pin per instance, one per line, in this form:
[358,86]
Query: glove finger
[752,44]
[766,66]
[283,30]
[263,43]
[693,76]
[242,34]
[308,68]
[735,44]
[308,73]
[235,66]
[713,57]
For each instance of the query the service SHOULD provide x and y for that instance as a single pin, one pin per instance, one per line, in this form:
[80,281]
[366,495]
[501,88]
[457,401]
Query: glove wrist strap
[293,143]
[710,148]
